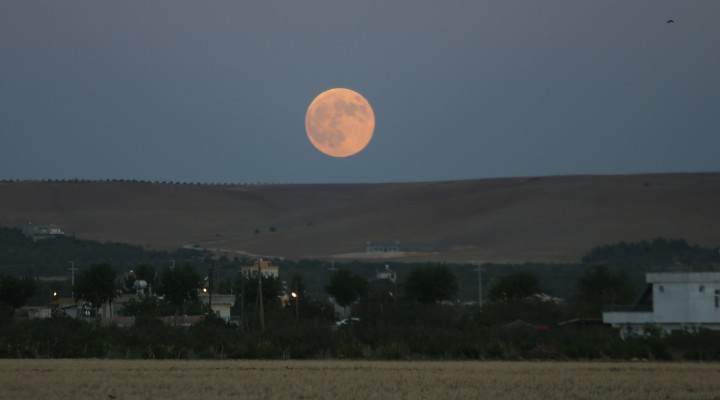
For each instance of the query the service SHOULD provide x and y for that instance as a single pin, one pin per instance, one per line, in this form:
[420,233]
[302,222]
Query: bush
[266,350]
[394,351]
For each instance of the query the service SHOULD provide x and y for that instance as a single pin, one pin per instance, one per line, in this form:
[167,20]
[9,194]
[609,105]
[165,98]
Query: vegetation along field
[112,379]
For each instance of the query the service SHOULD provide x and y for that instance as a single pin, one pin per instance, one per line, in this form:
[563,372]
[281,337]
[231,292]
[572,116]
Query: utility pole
[260,298]
[480,296]
[72,277]
[211,270]
[332,267]
[242,300]
[72,290]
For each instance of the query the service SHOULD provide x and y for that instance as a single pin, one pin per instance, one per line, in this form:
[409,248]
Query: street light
[202,301]
[297,306]
[54,302]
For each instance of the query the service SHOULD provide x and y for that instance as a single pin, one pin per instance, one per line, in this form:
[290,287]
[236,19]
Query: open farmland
[103,379]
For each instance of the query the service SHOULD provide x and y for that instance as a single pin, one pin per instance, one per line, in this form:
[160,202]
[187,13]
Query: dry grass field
[549,219]
[115,379]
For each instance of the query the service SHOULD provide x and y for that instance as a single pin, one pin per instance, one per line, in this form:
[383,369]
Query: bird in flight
[670,21]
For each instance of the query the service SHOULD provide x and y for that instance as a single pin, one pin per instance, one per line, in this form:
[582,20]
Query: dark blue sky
[216,91]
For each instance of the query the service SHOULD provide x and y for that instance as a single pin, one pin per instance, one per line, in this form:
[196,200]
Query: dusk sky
[216,91]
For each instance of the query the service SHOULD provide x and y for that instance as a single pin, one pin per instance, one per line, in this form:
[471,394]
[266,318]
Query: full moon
[339,122]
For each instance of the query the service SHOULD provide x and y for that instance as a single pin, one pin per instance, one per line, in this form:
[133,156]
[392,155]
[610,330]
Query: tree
[270,289]
[600,286]
[297,285]
[143,272]
[531,310]
[14,291]
[146,273]
[96,284]
[518,285]
[431,284]
[180,285]
[380,291]
[346,287]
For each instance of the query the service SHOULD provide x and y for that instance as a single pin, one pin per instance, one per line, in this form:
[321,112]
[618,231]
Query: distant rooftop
[382,246]
[40,232]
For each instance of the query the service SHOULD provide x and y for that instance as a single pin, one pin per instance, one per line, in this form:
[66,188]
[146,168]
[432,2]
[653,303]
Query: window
[717,299]
[661,289]
[701,288]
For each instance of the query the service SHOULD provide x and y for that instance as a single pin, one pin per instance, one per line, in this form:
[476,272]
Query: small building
[35,312]
[386,274]
[41,232]
[672,301]
[66,306]
[266,269]
[382,247]
[221,304]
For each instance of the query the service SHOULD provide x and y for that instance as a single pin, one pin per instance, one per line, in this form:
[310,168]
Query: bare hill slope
[501,220]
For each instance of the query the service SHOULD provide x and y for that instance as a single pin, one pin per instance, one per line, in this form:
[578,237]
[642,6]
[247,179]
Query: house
[35,312]
[266,269]
[67,306]
[344,312]
[387,274]
[221,304]
[41,232]
[382,247]
[672,301]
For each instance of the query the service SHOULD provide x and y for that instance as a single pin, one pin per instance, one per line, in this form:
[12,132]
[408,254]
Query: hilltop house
[40,232]
[672,301]
[382,247]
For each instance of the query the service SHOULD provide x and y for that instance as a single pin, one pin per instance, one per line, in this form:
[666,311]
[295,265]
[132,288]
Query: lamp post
[205,291]
[211,271]
[55,303]
[297,305]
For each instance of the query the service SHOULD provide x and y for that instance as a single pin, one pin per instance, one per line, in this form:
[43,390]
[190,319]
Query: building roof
[683,277]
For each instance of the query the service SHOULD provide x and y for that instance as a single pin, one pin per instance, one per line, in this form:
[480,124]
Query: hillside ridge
[520,219]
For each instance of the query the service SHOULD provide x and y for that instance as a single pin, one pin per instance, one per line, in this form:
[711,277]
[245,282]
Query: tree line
[122,180]
[414,318]
[21,256]
[419,316]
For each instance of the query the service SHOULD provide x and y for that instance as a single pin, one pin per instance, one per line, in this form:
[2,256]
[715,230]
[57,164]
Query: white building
[267,269]
[680,301]
[382,247]
[387,273]
[221,304]
[40,232]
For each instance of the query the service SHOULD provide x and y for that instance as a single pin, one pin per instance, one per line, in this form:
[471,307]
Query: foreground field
[112,379]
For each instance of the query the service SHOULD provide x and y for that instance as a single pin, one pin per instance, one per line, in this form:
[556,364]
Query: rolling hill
[549,219]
